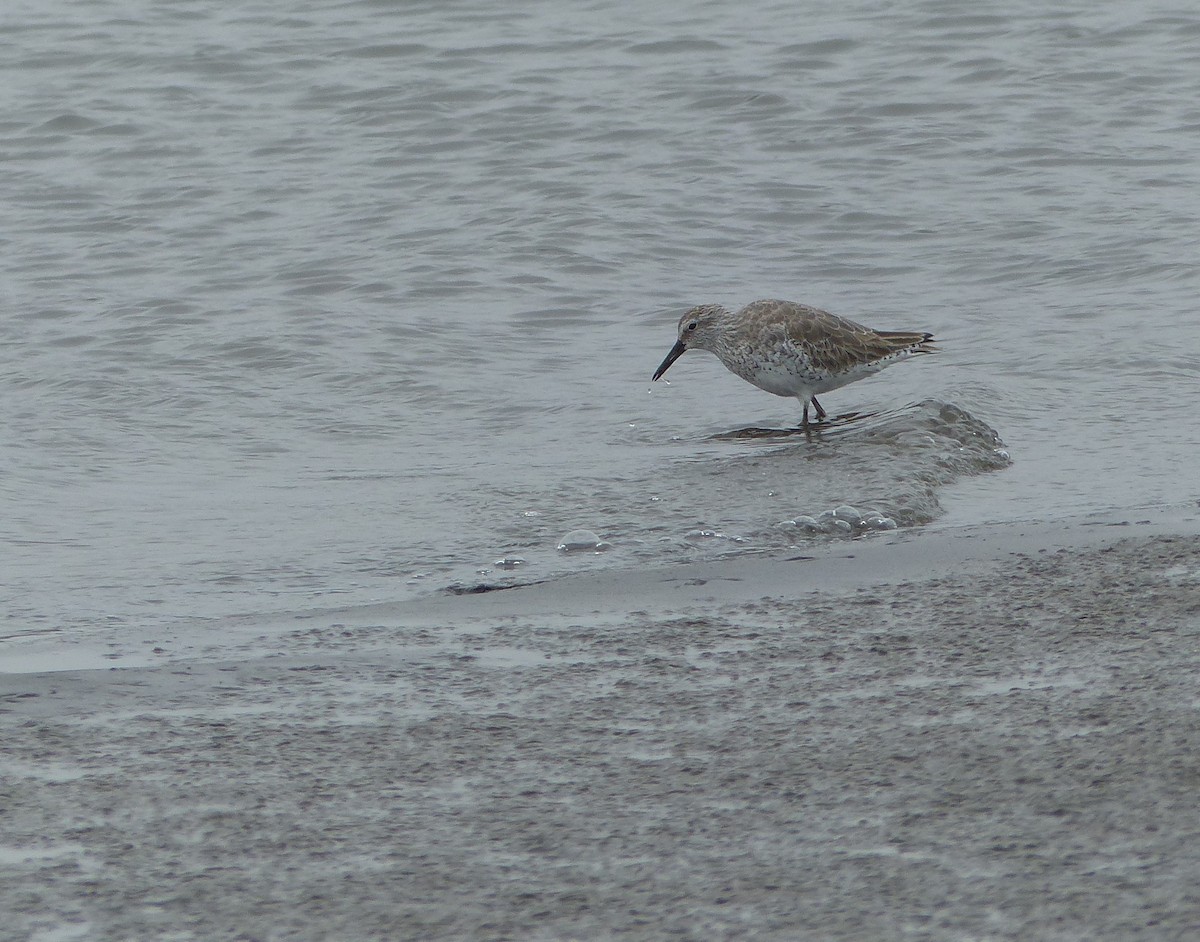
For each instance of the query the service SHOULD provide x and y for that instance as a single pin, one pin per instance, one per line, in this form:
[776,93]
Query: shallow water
[350,303]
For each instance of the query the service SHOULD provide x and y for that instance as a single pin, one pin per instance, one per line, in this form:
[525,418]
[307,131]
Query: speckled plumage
[792,349]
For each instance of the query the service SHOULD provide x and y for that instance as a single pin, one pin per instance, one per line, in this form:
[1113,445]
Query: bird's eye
[692,326]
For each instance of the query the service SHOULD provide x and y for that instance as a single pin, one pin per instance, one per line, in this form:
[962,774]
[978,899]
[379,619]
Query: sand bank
[960,734]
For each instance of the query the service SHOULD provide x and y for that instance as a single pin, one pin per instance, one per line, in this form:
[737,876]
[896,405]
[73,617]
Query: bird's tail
[909,341]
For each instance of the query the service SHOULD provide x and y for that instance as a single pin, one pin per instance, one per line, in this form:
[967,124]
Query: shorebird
[792,349]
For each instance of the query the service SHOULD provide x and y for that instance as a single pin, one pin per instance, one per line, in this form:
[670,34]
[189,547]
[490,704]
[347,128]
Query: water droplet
[578,540]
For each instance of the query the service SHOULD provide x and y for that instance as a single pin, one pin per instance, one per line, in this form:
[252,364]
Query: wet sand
[977,734]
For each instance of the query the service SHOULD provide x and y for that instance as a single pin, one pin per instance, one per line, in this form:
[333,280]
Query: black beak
[675,354]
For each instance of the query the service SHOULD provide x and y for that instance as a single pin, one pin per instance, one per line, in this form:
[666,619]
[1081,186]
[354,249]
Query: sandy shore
[974,734]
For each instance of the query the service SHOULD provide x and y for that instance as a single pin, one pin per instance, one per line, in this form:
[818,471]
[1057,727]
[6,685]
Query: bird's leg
[820,412]
[804,421]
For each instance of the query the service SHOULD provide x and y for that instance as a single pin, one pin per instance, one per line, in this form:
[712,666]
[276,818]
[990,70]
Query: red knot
[792,349]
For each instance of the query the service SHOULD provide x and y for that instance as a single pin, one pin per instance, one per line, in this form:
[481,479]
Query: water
[348,303]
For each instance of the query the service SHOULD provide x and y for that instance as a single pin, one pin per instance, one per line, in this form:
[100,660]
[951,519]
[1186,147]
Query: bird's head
[700,328]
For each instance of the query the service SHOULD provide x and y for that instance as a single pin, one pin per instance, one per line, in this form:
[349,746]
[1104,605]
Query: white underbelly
[786,380]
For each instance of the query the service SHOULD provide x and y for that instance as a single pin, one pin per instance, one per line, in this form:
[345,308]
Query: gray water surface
[348,302]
